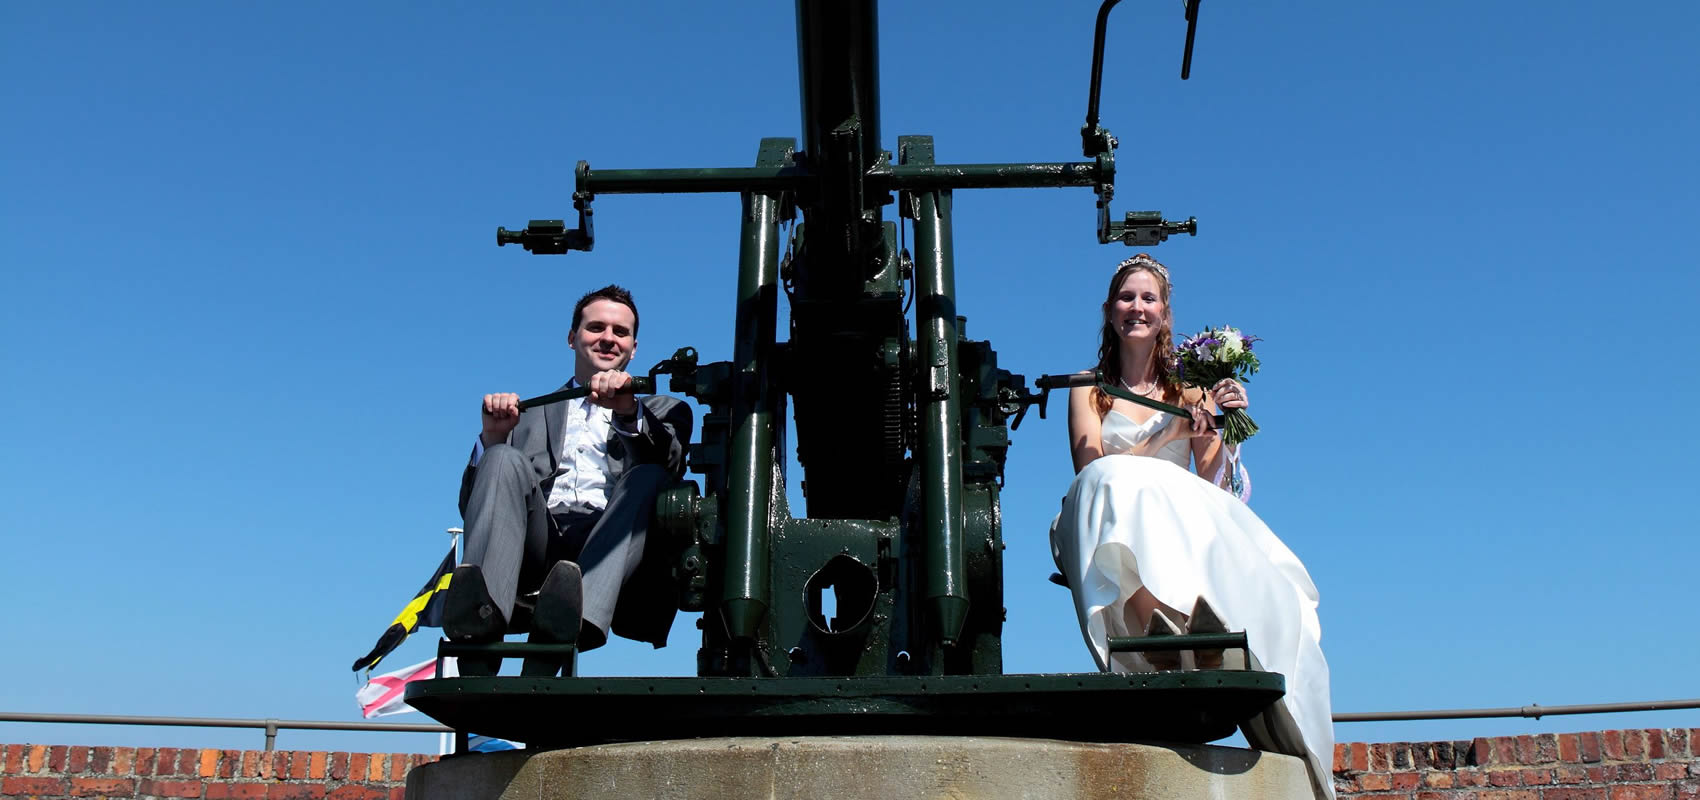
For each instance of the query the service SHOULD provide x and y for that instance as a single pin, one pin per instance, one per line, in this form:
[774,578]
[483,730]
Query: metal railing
[272,726]
[1533,711]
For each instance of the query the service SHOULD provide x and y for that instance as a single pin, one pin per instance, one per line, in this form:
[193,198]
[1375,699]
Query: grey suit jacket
[649,600]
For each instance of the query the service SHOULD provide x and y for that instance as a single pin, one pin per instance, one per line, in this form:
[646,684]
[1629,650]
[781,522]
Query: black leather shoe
[556,619]
[470,616]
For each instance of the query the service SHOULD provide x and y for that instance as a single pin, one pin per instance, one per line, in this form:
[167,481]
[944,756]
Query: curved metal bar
[1191,29]
[1098,53]
[1096,378]
[639,385]
[1098,62]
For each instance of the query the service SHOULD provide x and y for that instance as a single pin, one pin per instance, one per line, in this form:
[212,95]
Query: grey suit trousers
[515,548]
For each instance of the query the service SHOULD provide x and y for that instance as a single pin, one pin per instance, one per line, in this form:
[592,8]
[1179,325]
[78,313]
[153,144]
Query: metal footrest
[549,657]
[1157,642]
[503,649]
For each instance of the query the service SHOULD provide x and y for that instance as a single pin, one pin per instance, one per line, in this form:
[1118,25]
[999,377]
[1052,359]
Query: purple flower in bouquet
[1212,355]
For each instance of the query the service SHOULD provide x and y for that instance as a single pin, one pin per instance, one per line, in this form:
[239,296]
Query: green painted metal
[878,606]
[504,650]
[685,181]
[882,178]
[838,77]
[1188,641]
[937,403]
[745,595]
[1169,706]
[844,579]
[1096,378]
[924,177]
[638,386]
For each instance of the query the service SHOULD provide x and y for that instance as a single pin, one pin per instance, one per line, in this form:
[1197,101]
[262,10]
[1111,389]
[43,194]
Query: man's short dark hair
[610,292]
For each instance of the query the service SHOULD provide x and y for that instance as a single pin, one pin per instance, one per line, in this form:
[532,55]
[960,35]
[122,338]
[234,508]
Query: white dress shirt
[582,482]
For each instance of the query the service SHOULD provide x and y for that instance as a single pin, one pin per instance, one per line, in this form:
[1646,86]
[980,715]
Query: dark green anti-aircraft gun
[902,439]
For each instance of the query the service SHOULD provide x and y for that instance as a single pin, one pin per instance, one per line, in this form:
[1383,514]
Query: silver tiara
[1145,260]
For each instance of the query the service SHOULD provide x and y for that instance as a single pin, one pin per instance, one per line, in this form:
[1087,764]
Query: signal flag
[425,609]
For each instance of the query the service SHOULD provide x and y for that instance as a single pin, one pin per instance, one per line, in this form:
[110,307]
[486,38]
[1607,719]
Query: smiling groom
[557,501]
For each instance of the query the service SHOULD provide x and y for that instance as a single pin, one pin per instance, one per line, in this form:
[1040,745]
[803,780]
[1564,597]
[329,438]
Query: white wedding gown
[1138,517]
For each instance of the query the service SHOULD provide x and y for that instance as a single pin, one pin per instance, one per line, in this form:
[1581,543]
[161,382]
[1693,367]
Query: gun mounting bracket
[1141,228]
[550,237]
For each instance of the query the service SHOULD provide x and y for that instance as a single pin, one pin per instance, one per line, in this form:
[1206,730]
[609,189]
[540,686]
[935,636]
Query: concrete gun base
[854,767]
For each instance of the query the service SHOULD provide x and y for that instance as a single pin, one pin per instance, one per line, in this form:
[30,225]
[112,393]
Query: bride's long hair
[1109,347]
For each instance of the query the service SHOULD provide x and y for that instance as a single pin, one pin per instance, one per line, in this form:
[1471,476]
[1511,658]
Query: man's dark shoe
[556,619]
[470,616]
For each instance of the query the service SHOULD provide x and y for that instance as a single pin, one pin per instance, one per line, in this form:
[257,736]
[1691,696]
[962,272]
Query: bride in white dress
[1145,544]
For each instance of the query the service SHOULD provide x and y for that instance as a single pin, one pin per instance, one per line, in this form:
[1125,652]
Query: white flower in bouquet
[1232,344]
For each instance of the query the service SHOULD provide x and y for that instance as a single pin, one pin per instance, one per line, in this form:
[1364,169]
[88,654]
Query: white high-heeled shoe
[1163,660]
[1205,620]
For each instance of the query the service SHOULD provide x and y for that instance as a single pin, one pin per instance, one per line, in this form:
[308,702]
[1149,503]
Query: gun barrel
[838,72]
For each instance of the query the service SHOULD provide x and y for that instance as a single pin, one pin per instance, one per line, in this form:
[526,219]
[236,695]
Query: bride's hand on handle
[1229,393]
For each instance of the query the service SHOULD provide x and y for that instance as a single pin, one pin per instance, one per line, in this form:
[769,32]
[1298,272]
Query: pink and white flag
[382,695]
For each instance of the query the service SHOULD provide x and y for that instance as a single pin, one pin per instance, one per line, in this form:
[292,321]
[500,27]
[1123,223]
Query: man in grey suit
[557,500]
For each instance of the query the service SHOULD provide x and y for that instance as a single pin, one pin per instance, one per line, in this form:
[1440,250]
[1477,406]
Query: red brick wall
[1607,765]
[61,771]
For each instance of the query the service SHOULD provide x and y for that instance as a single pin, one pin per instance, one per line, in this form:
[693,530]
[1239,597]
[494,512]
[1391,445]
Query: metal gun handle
[639,385]
[1095,378]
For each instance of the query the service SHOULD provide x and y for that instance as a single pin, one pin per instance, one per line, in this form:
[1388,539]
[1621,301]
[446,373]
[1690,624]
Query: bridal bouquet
[1207,357]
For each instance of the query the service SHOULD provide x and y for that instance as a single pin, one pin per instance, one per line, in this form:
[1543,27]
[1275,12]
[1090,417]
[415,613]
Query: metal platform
[1185,707]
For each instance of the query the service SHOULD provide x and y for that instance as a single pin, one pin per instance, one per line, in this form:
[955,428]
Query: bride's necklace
[1130,388]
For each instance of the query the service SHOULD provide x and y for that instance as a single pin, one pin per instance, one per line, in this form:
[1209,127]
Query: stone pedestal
[855,767]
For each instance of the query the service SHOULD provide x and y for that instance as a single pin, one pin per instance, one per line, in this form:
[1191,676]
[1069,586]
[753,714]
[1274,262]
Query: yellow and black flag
[426,609]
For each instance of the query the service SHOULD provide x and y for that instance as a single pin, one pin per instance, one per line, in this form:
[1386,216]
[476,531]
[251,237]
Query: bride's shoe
[1204,620]
[1161,625]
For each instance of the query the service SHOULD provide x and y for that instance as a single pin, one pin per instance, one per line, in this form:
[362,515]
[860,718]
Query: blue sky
[252,299]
